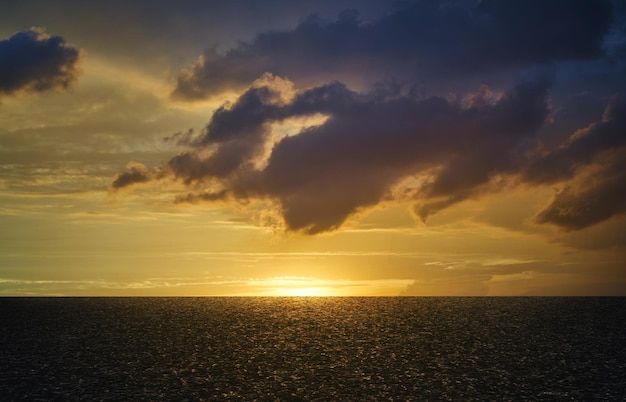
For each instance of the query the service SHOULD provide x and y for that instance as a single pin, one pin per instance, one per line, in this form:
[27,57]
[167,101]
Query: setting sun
[291,286]
[307,286]
[305,292]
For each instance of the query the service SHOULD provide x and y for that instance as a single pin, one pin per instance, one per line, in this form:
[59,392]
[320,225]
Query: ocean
[309,348]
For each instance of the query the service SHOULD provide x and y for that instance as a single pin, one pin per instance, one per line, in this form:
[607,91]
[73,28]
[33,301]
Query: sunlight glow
[303,292]
[303,286]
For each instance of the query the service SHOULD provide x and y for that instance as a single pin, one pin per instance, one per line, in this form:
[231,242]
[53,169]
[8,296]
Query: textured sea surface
[312,349]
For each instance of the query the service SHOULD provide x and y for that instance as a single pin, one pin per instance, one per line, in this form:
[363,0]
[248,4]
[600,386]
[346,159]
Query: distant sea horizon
[61,296]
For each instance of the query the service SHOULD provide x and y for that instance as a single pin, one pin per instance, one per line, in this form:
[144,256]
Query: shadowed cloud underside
[34,61]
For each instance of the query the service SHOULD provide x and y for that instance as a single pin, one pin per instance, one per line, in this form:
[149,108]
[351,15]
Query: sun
[293,286]
[305,292]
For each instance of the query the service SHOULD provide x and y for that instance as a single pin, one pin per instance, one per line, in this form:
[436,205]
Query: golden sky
[312,148]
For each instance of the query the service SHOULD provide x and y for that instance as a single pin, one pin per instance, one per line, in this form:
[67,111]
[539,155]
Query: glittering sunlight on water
[312,348]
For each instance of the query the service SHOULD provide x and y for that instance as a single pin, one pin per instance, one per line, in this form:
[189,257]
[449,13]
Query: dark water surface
[312,348]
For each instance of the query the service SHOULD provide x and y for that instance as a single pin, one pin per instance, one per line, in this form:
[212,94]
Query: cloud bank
[34,61]
[392,142]
[421,40]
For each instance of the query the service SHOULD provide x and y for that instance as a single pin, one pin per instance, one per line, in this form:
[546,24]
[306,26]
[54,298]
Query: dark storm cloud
[420,40]
[601,145]
[391,141]
[607,134]
[327,173]
[244,119]
[237,133]
[488,144]
[370,141]
[34,61]
[575,208]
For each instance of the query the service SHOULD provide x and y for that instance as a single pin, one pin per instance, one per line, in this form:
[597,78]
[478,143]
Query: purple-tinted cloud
[594,201]
[392,140]
[599,147]
[33,61]
[580,149]
[368,144]
[420,40]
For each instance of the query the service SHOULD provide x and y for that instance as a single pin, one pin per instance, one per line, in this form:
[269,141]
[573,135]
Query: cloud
[329,172]
[369,143]
[591,162]
[204,196]
[34,61]
[596,200]
[582,146]
[390,141]
[417,41]
[533,278]
[135,173]
[181,138]
[491,142]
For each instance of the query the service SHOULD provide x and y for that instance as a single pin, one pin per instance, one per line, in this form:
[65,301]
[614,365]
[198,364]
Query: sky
[312,148]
